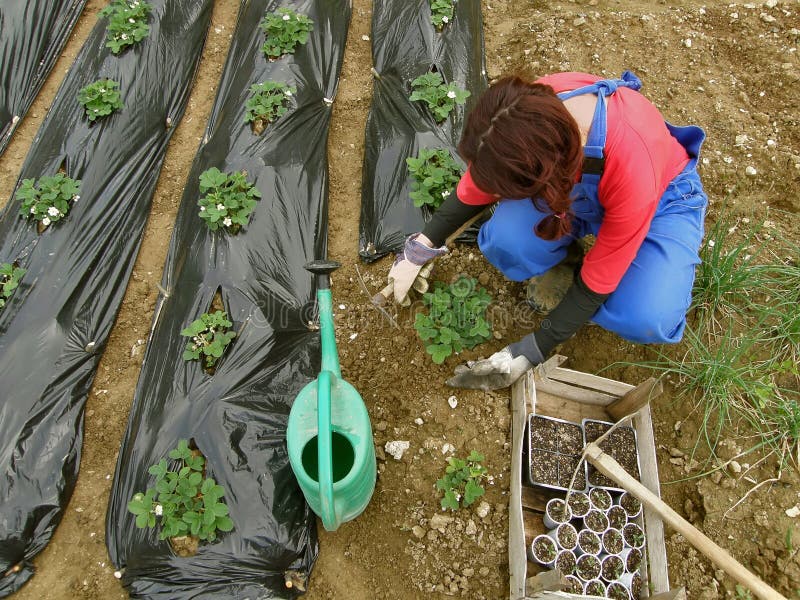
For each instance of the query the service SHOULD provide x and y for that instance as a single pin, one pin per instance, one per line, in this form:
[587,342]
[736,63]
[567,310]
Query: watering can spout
[329,436]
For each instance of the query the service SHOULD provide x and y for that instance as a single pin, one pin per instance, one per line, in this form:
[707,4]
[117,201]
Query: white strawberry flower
[451,94]
[33,210]
[124,36]
[52,211]
[227,221]
[220,206]
[445,19]
[45,221]
[76,198]
[288,92]
[445,193]
[159,510]
[202,208]
[131,20]
[286,17]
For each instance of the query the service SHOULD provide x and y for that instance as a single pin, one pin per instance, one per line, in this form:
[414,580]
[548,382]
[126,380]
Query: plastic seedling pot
[595,587]
[573,586]
[553,451]
[600,499]
[617,591]
[565,562]
[632,558]
[596,521]
[543,550]
[612,541]
[556,512]
[588,543]
[578,503]
[633,583]
[617,517]
[611,568]
[587,567]
[630,504]
[565,536]
[621,444]
[634,536]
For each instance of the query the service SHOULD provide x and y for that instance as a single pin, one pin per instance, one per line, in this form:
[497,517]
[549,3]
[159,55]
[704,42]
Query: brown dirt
[738,77]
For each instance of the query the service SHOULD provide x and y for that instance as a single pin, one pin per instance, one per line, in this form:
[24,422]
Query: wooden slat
[679,594]
[534,498]
[521,392]
[570,392]
[593,382]
[657,572]
[549,581]
[551,405]
[635,399]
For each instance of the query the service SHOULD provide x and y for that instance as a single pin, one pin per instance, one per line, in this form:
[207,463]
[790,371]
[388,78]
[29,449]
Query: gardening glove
[410,269]
[501,369]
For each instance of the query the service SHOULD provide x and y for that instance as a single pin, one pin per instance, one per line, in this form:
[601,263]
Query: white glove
[410,269]
[500,370]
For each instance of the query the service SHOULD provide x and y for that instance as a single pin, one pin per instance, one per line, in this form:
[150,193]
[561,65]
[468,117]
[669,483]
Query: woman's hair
[521,142]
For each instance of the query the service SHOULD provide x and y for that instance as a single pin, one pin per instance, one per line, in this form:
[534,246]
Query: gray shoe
[544,292]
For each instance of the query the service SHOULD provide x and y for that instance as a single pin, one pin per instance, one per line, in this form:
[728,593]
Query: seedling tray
[561,461]
[633,469]
[553,391]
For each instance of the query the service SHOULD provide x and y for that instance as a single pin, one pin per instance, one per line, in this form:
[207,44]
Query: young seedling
[441,98]
[441,13]
[209,336]
[100,99]
[127,23]
[456,319]
[10,276]
[267,103]
[435,176]
[186,502]
[461,483]
[228,201]
[285,29]
[48,199]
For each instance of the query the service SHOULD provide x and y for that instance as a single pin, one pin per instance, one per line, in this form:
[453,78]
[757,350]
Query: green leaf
[224,523]
[450,501]
[472,491]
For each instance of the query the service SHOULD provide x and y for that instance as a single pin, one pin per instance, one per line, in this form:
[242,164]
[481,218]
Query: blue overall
[653,297]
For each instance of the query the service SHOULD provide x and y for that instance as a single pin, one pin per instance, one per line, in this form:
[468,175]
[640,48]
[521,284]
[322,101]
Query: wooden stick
[635,399]
[719,556]
[383,296]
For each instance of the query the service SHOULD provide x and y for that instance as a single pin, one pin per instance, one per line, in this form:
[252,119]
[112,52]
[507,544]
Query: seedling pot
[543,550]
[579,504]
[587,567]
[595,587]
[600,499]
[611,568]
[632,558]
[617,517]
[565,536]
[633,583]
[574,585]
[617,591]
[588,543]
[621,444]
[630,504]
[554,449]
[556,512]
[612,541]
[596,521]
[565,562]
[634,536]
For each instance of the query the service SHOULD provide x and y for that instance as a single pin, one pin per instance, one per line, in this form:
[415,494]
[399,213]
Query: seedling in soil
[461,483]
[285,29]
[600,498]
[10,276]
[588,567]
[742,593]
[544,550]
[100,99]
[612,568]
[228,201]
[543,434]
[556,512]
[210,335]
[631,504]
[567,466]
[589,542]
[620,444]
[441,13]
[456,319]
[595,588]
[634,536]
[573,585]
[187,503]
[441,98]
[565,562]
[566,536]
[633,561]
[617,591]
[596,521]
[617,517]
[578,503]
[435,176]
[127,23]
[612,541]
[267,103]
[47,200]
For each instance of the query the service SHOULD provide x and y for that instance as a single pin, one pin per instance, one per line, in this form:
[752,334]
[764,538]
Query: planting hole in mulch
[612,541]
[596,521]
[565,562]
[588,567]
[612,568]
[617,517]
[589,542]
[620,445]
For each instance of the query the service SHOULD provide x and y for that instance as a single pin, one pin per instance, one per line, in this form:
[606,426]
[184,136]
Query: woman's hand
[408,271]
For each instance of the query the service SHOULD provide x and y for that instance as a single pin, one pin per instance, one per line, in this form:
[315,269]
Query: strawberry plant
[284,29]
[127,23]
[228,201]
[10,276]
[461,483]
[186,502]
[441,98]
[269,101]
[47,200]
[441,12]
[456,319]
[100,98]
[435,175]
[210,335]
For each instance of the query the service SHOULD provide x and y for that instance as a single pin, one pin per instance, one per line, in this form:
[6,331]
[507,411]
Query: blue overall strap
[593,150]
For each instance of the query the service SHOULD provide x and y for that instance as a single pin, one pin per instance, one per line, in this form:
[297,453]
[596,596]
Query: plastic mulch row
[32,35]
[55,326]
[406,45]
[237,417]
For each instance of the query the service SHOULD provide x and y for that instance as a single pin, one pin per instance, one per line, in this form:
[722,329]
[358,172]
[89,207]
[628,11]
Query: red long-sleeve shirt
[642,158]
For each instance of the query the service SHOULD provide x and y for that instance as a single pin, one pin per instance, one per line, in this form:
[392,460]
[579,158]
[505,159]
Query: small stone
[118,574]
[419,421]
[397,448]
[675,453]
[793,512]
[468,572]
[750,171]
[716,477]
[483,510]
[439,522]
[419,532]
[676,461]
[381,426]
[365,38]
[734,467]
[483,571]
[452,401]
[471,528]
[483,278]
[771,3]
[579,21]
[767,18]
[687,42]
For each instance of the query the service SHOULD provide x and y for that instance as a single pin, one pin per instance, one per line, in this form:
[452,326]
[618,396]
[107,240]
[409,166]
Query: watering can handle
[323,269]
[325,452]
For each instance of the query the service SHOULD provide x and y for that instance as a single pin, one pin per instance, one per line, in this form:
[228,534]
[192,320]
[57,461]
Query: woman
[566,156]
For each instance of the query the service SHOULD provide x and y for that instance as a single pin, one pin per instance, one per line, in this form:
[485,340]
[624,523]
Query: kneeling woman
[564,157]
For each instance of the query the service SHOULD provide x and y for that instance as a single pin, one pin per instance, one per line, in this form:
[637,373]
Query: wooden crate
[558,392]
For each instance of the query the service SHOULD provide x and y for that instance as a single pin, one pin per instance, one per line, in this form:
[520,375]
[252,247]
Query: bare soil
[730,67]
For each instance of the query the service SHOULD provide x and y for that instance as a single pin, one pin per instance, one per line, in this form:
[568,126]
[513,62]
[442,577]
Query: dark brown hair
[521,142]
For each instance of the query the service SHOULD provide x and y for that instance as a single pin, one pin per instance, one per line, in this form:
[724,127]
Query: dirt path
[695,60]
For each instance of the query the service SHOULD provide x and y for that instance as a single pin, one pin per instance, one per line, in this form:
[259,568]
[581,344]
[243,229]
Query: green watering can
[329,435]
